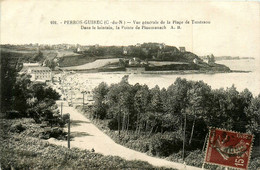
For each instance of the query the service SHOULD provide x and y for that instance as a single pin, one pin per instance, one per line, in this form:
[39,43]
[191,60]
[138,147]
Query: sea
[249,79]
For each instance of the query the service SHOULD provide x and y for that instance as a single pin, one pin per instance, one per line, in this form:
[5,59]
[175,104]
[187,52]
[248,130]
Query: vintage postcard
[130,84]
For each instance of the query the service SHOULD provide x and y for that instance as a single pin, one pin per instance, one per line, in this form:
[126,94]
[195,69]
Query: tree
[197,102]
[38,57]
[177,100]
[253,116]
[8,79]
[100,107]
[119,106]
[141,104]
[45,110]
[50,63]
[21,92]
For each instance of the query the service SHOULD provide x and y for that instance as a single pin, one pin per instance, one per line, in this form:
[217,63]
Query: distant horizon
[126,46]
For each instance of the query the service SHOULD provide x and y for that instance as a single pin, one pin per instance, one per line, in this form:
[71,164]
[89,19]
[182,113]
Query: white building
[38,73]
[31,64]
[196,61]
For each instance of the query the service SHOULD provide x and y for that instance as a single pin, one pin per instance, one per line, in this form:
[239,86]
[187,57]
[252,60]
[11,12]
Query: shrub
[18,128]
[164,144]
[65,117]
[255,163]
[13,114]
[29,153]
[195,158]
[53,133]
[112,124]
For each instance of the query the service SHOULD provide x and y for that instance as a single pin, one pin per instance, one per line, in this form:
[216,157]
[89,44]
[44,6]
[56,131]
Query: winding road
[88,136]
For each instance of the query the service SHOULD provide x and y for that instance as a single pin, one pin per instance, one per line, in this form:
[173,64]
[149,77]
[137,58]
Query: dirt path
[88,136]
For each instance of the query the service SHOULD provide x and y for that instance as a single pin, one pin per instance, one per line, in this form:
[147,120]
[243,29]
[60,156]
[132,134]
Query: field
[93,65]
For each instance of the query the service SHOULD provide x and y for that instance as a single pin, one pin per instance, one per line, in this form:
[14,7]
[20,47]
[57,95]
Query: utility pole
[118,124]
[69,132]
[61,108]
[71,96]
[183,147]
[83,99]
[83,92]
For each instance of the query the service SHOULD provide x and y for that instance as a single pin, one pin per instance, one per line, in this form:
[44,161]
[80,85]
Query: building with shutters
[38,73]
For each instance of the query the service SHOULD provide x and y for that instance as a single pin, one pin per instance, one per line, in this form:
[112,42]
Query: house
[78,49]
[161,46]
[134,62]
[196,61]
[182,49]
[38,73]
[125,50]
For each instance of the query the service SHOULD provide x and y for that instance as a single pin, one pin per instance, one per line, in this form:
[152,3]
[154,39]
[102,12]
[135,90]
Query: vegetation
[75,56]
[75,60]
[153,120]
[21,147]
[22,98]
[145,51]
[24,151]
[174,67]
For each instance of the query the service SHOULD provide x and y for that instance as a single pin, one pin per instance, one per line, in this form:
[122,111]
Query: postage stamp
[228,148]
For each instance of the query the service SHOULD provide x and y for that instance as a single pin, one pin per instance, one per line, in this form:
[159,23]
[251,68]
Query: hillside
[22,150]
[152,56]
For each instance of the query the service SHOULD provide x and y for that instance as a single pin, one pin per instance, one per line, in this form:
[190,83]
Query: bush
[164,144]
[27,127]
[112,124]
[56,133]
[17,128]
[141,145]
[29,153]
[255,163]
[195,158]
[176,157]
[65,117]
[13,114]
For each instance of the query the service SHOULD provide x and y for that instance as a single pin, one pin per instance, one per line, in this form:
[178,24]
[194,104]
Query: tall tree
[141,104]
[197,103]
[253,116]
[177,100]
[100,106]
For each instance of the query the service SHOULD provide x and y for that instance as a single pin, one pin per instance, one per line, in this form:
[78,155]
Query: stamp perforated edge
[250,150]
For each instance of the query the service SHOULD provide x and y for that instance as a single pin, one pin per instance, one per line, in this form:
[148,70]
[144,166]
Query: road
[88,136]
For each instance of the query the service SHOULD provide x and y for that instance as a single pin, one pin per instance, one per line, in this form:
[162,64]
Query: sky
[233,29]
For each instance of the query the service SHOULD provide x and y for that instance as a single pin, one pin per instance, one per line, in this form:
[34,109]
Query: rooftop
[36,69]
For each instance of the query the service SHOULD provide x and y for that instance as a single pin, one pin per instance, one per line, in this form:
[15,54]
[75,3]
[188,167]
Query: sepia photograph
[132,84]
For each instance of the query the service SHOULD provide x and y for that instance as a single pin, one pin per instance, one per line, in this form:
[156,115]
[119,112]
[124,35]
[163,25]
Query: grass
[20,151]
[77,60]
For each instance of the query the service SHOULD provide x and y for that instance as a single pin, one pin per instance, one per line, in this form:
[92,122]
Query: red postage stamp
[228,148]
